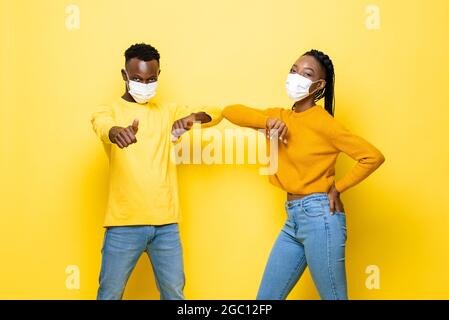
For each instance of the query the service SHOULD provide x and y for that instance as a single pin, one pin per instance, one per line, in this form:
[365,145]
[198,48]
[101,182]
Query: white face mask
[141,92]
[297,86]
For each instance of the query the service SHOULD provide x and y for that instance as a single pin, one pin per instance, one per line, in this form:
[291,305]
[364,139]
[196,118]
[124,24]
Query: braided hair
[328,91]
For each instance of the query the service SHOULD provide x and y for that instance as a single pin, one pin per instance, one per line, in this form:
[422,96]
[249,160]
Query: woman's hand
[276,125]
[335,202]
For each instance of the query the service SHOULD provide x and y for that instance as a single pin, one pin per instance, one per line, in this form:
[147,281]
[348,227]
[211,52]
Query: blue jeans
[310,237]
[122,247]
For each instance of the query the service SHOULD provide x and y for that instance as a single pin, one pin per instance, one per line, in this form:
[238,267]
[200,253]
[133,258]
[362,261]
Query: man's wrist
[202,117]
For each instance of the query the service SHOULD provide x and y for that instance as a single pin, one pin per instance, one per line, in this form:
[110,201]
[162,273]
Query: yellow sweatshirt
[306,164]
[143,186]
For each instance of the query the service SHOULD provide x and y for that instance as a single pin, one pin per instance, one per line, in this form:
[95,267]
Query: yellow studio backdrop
[61,59]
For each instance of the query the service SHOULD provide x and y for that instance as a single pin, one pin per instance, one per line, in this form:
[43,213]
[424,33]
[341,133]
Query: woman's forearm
[245,116]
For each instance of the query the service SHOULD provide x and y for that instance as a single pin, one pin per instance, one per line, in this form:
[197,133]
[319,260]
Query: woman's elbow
[374,159]
[379,159]
[232,113]
[228,111]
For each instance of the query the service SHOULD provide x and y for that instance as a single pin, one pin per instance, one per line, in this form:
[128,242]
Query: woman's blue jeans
[310,237]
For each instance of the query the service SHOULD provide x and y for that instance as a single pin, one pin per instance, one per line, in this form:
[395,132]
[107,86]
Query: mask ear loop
[318,92]
[309,94]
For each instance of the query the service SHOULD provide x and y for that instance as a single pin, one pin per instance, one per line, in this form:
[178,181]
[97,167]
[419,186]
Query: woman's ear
[317,86]
[321,84]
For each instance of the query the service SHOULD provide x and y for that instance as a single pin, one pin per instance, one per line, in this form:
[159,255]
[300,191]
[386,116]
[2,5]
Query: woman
[314,233]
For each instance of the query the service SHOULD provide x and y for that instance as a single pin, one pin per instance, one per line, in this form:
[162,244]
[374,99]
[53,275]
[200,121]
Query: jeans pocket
[314,208]
[342,223]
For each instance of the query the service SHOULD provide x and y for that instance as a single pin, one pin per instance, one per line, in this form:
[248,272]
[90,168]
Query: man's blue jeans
[122,247]
[310,237]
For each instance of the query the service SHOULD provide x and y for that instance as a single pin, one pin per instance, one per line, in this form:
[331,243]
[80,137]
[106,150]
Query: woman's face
[309,67]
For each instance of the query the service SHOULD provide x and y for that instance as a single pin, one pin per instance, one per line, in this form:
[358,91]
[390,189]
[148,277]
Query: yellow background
[391,88]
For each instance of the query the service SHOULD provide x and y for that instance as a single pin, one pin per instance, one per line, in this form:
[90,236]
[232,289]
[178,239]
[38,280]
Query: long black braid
[328,91]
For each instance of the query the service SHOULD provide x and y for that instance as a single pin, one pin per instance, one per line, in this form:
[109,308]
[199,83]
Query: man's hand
[182,125]
[123,137]
[335,202]
[276,125]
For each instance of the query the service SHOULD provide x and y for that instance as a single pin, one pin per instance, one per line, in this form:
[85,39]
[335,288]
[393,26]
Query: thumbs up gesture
[123,137]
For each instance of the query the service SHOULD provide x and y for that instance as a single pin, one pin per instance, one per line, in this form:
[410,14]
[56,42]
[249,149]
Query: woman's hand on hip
[335,202]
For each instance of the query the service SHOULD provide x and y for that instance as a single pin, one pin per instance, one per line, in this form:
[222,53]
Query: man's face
[141,71]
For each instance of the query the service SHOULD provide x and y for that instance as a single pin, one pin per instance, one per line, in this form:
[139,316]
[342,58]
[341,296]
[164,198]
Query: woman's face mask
[298,86]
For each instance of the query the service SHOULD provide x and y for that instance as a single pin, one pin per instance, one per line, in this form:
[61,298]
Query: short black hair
[143,52]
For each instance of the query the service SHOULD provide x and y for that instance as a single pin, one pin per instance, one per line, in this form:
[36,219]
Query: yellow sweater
[307,163]
[143,186]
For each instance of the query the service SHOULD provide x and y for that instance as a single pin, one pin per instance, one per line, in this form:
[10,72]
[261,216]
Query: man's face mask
[141,92]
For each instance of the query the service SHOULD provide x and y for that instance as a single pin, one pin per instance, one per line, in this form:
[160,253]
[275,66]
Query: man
[143,211]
